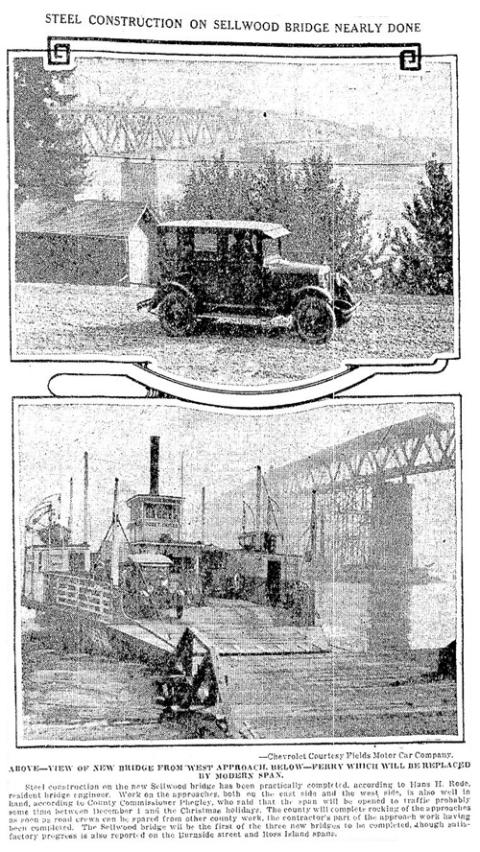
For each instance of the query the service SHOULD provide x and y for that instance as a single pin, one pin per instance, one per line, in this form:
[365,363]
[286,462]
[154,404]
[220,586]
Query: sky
[220,450]
[349,91]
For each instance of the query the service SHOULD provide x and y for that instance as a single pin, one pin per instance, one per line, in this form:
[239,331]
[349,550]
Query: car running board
[248,319]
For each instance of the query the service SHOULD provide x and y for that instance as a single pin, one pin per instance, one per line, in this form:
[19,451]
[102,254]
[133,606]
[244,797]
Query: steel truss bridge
[346,476]
[124,131]
[422,445]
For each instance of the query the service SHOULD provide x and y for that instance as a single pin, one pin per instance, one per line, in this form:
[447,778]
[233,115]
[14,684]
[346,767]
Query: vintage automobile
[212,269]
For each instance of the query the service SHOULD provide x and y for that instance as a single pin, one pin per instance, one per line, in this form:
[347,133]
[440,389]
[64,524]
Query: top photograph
[234,221]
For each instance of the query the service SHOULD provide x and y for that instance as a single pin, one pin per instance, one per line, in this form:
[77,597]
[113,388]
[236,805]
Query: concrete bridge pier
[390,567]
[366,607]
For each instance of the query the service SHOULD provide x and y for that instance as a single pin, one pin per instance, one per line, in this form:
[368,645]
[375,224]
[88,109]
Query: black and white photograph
[234,221]
[240,425]
[193,574]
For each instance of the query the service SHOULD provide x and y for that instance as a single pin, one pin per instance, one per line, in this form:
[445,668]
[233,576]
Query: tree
[324,219]
[419,255]
[329,225]
[49,161]
[271,191]
[207,191]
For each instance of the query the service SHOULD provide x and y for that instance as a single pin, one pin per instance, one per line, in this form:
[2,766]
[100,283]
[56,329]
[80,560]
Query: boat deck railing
[80,593]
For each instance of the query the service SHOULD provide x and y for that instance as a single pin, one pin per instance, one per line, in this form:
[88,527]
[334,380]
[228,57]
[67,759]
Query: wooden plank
[240,624]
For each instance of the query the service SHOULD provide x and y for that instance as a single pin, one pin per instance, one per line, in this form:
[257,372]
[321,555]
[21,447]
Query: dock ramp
[264,669]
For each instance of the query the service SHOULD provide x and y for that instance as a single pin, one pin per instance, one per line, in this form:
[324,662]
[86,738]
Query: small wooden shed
[86,242]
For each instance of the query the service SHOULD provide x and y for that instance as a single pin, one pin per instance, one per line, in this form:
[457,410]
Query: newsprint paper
[240,588]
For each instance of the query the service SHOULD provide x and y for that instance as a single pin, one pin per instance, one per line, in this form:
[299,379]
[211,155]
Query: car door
[245,278]
[205,265]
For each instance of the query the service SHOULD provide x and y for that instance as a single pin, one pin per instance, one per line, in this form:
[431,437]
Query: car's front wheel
[314,318]
[176,314]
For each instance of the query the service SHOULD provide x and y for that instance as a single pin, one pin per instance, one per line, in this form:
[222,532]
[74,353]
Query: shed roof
[81,218]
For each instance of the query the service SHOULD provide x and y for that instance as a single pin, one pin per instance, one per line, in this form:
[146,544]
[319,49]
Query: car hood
[294,267]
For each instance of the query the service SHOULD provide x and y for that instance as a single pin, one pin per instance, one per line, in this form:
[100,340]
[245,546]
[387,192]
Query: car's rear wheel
[176,314]
[314,319]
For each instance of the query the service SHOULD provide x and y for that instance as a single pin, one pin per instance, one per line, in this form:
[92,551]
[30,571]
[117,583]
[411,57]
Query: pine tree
[49,161]
[419,256]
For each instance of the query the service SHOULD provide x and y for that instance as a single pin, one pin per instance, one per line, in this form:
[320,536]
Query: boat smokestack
[154,458]
[86,519]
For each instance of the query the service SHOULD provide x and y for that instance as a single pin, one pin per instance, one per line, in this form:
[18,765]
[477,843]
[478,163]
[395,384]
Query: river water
[78,697]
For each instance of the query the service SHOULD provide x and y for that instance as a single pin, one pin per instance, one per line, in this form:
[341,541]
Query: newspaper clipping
[239,427]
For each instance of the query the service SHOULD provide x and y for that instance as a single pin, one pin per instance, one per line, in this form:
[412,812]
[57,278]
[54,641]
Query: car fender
[343,288]
[312,288]
[175,286]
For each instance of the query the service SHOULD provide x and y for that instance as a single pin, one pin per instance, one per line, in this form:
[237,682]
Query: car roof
[153,559]
[268,229]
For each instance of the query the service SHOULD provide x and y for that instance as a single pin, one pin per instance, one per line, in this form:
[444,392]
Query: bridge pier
[391,564]
[365,607]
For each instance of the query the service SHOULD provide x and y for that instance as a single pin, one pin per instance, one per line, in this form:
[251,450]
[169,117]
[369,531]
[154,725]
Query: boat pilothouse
[141,569]
[154,517]
[160,561]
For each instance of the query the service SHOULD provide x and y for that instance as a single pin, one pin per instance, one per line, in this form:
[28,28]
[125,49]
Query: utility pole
[202,535]
[70,512]
[86,519]
[182,485]
[114,564]
[313,526]
[321,548]
[258,509]
[269,513]
[49,539]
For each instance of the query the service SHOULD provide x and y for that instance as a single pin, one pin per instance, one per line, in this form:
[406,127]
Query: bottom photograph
[186,573]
